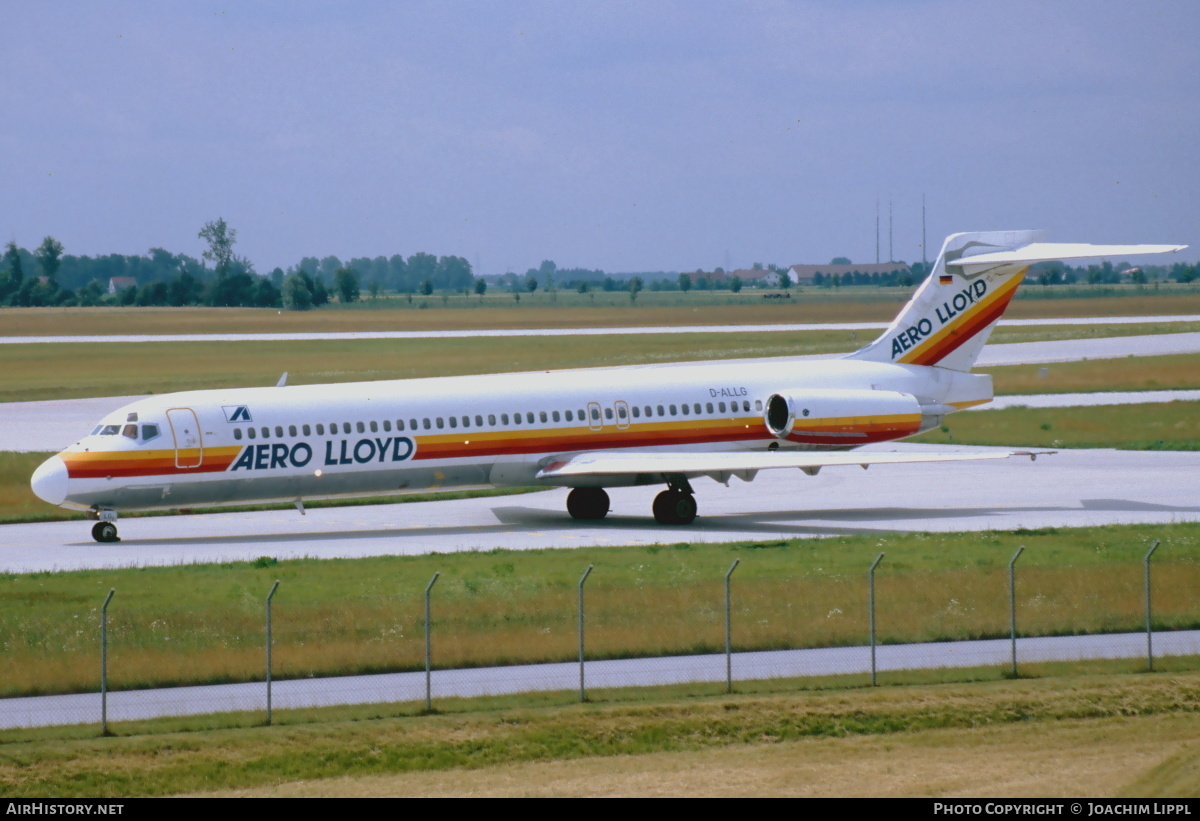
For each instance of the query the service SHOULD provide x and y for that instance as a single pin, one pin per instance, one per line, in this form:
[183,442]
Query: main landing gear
[589,503]
[674,506]
[105,530]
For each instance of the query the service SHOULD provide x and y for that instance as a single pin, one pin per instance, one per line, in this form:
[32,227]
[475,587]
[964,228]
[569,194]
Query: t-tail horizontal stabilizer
[949,318]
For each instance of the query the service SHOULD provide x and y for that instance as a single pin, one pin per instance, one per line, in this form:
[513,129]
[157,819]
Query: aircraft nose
[49,481]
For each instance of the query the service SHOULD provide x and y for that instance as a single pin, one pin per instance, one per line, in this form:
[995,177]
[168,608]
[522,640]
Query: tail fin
[951,315]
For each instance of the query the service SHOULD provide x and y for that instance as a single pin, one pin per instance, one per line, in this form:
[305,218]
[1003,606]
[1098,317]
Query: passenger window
[636,412]
[684,408]
[279,431]
[307,430]
[266,432]
[320,429]
[696,408]
[569,417]
[291,430]
[361,428]
[387,426]
[149,432]
[478,421]
[399,424]
[237,433]
[581,415]
[529,417]
[466,420]
[595,414]
[721,407]
[250,432]
[492,419]
[440,423]
[504,419]
[758,404]
[709,407]
[555,416]
[660,411]
[413,424]
[453,422]
[542,416]
[672,410]
[374,426]
[621,412]
[426,421]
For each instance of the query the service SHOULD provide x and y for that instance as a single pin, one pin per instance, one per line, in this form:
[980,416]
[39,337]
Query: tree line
[48,277]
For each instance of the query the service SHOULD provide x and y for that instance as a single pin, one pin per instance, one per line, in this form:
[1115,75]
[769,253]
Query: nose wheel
[105,532]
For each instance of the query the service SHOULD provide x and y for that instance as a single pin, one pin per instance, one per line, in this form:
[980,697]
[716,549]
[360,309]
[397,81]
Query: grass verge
[203,623]
[390,740]
[1158,426]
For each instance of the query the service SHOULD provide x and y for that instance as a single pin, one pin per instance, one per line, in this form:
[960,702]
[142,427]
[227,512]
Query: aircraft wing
[1047,251]
[723,464]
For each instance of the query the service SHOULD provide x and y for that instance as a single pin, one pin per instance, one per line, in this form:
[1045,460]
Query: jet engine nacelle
[842,417]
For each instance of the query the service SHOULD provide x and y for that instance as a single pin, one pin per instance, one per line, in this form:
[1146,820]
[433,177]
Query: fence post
[729,631]
[1149,632]
[428,679]
[1012,605]
[104,662]
[582,688]
[871,605]
[270,596]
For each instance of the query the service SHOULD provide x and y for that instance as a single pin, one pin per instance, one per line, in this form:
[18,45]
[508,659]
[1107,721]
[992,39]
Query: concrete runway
[628,331]
[1069,489]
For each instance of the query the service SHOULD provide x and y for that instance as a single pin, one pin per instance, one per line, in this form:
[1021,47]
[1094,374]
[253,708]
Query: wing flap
[737,463]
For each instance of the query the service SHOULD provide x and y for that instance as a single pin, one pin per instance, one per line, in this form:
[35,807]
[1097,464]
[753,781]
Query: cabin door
[189,445]
[595,421]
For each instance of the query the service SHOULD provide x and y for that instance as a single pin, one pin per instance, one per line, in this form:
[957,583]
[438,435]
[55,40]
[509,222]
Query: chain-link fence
[589,636]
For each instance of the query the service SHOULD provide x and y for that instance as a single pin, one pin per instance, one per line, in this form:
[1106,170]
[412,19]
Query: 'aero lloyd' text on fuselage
[910,336]
[339,452]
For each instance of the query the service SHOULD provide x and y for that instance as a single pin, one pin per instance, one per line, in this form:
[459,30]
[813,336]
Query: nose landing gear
[105,530]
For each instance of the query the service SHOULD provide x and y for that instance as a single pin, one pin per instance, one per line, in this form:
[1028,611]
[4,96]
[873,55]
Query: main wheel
[105,532]
[674,507]
[589,503]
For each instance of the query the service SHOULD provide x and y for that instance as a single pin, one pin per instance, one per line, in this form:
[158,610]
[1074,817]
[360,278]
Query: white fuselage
[217,447]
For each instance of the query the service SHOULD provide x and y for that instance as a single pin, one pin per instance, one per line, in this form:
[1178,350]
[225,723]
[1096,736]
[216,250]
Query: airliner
[586,429]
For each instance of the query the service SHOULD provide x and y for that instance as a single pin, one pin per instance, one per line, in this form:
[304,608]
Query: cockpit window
[129,431]
[149,432]
[110,430]
[97,429]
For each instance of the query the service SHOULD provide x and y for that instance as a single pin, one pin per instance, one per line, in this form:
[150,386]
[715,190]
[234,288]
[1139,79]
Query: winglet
[282,380]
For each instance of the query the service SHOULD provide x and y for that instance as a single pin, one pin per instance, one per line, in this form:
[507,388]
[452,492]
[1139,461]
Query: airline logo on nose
[237,413]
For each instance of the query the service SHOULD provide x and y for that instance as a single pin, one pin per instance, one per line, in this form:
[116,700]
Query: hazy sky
[618,135]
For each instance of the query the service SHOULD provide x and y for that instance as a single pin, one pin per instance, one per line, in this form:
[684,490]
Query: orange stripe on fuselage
[957,333]
[100,464]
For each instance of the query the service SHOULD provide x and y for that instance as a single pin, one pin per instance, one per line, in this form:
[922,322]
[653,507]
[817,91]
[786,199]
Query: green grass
[1158,426]
[203,623]
[73,370]
[167,758]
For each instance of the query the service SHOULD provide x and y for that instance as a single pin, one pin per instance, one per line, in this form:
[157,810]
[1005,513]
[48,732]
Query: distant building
[807,274]
[756,278]
[118,284]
